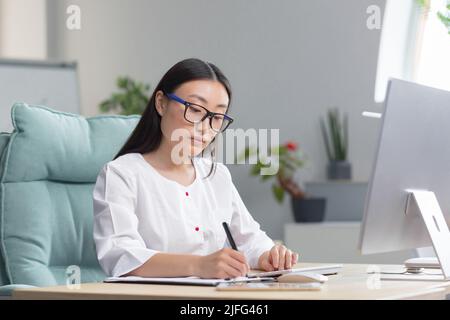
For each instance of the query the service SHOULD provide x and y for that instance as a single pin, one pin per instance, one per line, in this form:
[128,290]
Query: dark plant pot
[339,170]
[309,209]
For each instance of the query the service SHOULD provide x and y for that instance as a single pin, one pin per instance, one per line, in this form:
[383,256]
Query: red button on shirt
[187,193]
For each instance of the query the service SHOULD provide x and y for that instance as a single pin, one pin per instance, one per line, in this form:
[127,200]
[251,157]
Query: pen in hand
[230,238]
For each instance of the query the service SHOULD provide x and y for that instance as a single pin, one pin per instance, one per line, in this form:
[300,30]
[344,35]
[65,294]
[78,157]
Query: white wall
[288,61]
[23,29]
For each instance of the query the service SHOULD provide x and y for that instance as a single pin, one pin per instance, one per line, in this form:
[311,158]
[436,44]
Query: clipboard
[269,286]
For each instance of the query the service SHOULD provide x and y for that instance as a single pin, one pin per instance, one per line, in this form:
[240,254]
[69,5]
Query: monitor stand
[425,203]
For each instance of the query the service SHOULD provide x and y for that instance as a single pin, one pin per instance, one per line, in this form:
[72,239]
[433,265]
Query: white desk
[352,282]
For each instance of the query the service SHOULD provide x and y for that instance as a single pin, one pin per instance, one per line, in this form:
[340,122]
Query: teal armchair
[48,168]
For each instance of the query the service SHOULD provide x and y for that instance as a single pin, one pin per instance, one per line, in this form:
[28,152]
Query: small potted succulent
[290,158]
[336,144]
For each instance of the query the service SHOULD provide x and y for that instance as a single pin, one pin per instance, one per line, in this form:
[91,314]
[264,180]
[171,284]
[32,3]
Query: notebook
[252,277]
[185,280]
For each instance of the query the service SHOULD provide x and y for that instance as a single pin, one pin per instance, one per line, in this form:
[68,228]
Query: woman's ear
[160,103]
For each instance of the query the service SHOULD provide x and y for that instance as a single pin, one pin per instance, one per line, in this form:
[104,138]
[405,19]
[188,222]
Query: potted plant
[336,144]
[290,158]
[132,97]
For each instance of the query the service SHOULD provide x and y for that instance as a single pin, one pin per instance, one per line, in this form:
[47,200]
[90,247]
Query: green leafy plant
[422,3]
[336,135]
[444,17]
[132,97]
[290,158]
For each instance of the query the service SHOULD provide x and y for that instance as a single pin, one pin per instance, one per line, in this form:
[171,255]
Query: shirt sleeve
[120,248]
[247,233]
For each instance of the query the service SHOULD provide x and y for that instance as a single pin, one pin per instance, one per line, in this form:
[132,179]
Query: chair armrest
[6,291]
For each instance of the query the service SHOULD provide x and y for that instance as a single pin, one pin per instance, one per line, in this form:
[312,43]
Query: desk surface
[352,282]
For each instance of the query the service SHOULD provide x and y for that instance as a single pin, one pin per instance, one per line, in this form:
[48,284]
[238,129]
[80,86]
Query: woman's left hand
[277,258]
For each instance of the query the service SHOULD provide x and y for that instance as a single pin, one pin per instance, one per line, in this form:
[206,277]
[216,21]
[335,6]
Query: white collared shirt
[138,212]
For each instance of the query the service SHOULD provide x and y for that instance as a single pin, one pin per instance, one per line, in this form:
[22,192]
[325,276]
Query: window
[433,50]
[414,46]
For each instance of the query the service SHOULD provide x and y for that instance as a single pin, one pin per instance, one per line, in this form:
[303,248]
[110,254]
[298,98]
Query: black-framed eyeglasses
[195,113]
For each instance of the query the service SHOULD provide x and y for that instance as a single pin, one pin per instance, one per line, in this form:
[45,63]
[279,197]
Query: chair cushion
[50,165]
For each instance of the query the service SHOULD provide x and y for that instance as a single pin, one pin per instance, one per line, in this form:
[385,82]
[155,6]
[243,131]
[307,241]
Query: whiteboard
[52,84]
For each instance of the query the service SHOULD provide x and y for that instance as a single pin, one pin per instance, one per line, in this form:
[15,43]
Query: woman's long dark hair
[147,135]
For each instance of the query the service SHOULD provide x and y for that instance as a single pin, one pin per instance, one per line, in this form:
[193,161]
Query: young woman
[157,216]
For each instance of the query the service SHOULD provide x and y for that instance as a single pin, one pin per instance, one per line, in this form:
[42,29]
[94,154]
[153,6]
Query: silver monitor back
[413,153]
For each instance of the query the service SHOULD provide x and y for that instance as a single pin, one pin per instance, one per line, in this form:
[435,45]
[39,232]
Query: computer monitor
[410,183]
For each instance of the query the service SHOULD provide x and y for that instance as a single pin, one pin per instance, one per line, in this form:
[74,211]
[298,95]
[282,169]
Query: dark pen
[230,237]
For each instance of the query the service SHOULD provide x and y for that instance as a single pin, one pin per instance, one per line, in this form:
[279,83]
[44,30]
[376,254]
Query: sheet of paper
[413,277]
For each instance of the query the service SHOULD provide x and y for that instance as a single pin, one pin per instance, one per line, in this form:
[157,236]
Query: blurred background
[289,62]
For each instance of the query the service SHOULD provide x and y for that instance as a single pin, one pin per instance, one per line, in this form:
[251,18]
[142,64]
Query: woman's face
[176,129]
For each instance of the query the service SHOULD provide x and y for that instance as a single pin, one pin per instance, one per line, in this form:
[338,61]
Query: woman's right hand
[222,264]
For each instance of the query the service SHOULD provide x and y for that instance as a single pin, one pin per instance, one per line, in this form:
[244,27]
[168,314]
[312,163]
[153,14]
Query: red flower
[292,146]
